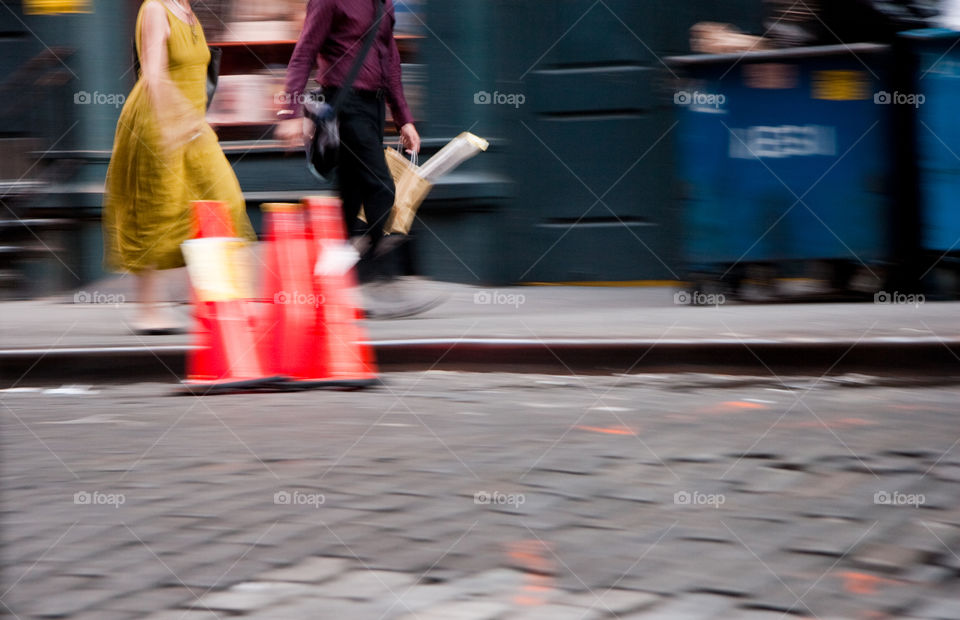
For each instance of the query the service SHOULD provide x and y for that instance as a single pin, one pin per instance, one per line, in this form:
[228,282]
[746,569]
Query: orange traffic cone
[297,332]
[225,356]
[289,325]
[349,358]
[211,219]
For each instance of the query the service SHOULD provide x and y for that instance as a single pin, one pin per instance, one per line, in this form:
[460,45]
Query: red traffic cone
[211,219]
[289,325]
[225,356]
[348,356]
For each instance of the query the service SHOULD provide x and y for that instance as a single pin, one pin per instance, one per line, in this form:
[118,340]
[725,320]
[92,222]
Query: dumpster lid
[781,54]
[931,33]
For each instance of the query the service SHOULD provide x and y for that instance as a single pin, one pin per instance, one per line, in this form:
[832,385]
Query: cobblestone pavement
[470,496]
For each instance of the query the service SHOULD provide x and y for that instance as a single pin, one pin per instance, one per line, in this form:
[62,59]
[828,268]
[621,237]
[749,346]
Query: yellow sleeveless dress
[146,210]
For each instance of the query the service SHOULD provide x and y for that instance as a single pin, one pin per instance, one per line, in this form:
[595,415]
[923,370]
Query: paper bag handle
[414,157]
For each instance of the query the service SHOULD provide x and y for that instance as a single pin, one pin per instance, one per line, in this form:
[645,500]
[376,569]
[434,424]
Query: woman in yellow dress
[164,156]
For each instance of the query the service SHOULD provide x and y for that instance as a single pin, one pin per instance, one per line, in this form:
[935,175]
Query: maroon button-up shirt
[332,36]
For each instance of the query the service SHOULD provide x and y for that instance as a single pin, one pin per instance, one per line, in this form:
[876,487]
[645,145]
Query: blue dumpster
[937,84]
[784,155]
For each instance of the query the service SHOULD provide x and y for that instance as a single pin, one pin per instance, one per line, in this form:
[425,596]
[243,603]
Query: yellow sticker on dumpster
[51,7]
[841,85]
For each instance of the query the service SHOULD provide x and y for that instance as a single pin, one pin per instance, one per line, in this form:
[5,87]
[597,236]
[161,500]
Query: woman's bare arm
[178,120]
[154,32]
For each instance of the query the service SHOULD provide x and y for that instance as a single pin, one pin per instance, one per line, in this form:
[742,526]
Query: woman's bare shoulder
[153,15]
[153,8]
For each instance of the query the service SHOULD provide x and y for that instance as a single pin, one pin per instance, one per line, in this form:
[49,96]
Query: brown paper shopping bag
[412,189]
[414,182]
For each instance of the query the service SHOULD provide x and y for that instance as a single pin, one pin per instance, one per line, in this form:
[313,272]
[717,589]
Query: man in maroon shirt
[332,37]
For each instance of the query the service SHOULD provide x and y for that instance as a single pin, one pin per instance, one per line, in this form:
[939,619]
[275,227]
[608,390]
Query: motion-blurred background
[768,149]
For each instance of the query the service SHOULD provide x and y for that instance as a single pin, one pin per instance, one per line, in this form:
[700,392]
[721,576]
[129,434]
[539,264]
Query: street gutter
[920,357]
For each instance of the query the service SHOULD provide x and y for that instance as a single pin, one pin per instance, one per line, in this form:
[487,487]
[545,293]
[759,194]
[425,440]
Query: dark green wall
[590,151]
[69,54]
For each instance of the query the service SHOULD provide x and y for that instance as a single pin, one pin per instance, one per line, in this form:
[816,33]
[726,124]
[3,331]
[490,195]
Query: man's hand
[410,138]
[290,132]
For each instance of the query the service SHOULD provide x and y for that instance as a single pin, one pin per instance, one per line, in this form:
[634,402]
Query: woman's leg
[150,316]
[147,296]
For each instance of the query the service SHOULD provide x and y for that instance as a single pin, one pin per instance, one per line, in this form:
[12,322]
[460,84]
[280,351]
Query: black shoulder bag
[323,147]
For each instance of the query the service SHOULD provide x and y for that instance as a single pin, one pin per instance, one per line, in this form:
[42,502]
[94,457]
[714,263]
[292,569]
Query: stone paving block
[441,575]
[416,597]
[464,610]
[380,503]
[889,558]
[143,576]
[362,584]
[159,598]
[879,591]
[565,516]
[891,598]
[393,522]
[761,526]
[662,578]
[946,608]
[740,579]
[616,602]
[274,534]
[552,611]
[934,537]
[70,552]
[639,494]
[251,595]
[409,557]
[31,571]
[928,574]
[949,557]
[29,589]
[832,545]
[776,597]
[102,614]
[308,607]
[936,497]
[946,471]
[205,577]
[844,607]
[488,582]
[690,607]
[67,603]
[579,573]
[30,550]
[310,570]
[181,614]
[216,552]
[474,559]
[251,564]
[758,614]
[377,543]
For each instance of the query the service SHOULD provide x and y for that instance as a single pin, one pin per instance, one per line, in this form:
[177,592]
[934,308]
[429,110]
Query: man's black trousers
[364,178]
